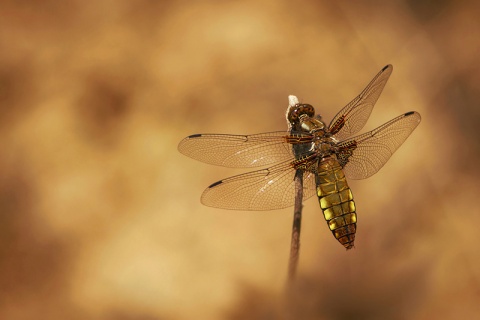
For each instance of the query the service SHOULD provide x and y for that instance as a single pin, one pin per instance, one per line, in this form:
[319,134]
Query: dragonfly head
[300,109]
[301,117]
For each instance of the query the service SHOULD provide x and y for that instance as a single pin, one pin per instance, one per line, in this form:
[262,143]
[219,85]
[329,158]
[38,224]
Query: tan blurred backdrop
[100,215]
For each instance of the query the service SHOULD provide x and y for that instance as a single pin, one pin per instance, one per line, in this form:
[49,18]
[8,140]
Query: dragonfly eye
[298,110]
[308,110]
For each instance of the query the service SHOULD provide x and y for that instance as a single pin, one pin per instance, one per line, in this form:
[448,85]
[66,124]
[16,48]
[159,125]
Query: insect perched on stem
[324,153]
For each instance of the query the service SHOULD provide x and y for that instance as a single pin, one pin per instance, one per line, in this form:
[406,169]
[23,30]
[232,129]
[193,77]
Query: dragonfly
[327,155]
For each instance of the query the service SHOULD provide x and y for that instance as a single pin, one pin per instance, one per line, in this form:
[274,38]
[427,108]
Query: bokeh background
[100,215]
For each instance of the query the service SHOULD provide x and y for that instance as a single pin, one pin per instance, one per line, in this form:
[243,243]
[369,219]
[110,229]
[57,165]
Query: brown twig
[297,221]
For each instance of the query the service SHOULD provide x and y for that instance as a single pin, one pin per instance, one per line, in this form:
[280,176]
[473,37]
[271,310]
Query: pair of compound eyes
[295,112]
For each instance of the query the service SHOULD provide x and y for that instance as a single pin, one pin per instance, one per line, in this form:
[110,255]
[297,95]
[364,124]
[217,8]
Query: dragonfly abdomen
[336,201]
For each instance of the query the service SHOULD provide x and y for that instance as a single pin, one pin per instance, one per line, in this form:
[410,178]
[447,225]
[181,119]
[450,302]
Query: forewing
[267,189]
[363,155]
[354,115]
[239,151]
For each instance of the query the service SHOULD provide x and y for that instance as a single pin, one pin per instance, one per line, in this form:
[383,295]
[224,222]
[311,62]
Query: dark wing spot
[345,152]
[409,113]
[195,135]
[215,184]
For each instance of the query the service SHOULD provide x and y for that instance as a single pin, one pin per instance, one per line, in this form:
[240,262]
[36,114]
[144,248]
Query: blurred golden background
[100,215]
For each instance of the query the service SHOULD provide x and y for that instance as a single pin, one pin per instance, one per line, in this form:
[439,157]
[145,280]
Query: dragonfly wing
[363,155]
[266,189]
[239,151]
[354,115]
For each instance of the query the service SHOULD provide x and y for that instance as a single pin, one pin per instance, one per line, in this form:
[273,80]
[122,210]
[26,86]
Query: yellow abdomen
[336,201]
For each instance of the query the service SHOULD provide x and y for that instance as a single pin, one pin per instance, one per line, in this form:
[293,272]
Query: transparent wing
[354,115]
[266,189]
[363,155]
[241,151]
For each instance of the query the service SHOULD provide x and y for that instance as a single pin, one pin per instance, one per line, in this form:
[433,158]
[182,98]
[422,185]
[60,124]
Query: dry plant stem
[297,221]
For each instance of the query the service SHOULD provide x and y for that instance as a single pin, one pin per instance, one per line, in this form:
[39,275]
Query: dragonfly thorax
[324,146]
[312,125]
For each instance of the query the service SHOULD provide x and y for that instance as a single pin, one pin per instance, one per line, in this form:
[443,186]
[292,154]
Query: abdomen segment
[336,201]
